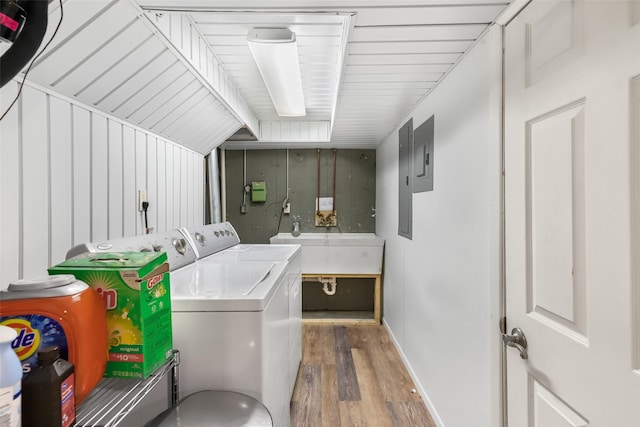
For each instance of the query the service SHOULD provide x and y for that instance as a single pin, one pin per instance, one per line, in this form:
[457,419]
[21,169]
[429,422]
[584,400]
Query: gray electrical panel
[423,157]
[405,180]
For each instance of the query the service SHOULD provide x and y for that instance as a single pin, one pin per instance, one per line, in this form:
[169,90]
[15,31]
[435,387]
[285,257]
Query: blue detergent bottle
[10,379]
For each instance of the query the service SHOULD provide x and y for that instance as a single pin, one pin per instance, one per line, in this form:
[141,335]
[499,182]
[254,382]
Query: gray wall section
[352,294]
[355,190]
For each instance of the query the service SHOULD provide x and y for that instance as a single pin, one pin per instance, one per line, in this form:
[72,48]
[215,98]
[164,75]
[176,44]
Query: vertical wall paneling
[141,175]
[215,72]
[176,29]
[61,179]
[129,192]
[35,191]
[208,65]
[169,186]
[70,174]
[204,55]
[186,37]
[177,179]
[190,190]
[634,168]
[161,224]
[152,182]
[81,139]
[9,187]
[184,187]
[163,24]
[195,47]
[116,183]
[199,177]
[99,177]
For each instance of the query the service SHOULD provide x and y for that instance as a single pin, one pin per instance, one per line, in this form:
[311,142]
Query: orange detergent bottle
[62,311]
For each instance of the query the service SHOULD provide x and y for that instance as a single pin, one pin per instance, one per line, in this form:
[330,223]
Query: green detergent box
[135,288]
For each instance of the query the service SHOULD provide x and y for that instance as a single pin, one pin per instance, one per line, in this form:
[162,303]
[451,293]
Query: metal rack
[113,398]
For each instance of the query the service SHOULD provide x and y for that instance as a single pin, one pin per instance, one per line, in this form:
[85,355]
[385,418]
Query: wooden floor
[353,376]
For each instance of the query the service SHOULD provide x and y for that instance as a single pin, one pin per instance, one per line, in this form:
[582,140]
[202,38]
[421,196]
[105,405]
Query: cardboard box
[135,287]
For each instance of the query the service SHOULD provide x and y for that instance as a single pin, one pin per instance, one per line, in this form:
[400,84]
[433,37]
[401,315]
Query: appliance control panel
[179,251]
[212,238]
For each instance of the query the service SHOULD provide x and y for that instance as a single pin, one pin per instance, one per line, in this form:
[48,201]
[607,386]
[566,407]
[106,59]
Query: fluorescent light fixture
[276,53]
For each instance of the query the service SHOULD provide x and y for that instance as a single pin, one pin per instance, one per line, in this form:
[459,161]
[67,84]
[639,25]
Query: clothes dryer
[220,243]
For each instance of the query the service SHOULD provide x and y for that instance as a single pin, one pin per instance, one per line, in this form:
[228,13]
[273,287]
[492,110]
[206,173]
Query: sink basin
[337,253]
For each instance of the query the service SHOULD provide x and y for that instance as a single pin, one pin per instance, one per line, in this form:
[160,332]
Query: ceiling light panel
[276,54]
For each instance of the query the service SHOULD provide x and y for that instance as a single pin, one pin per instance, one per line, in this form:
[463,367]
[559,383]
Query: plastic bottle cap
[46,282]
[7,334]
[49,353]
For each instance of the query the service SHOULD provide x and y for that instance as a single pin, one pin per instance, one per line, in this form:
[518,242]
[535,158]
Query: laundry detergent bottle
[62,311]
[10,379]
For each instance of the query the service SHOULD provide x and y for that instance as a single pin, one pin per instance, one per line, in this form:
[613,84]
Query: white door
[572,206]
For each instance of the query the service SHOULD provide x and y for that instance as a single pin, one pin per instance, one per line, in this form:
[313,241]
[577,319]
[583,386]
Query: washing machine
[230,319]
[219,243]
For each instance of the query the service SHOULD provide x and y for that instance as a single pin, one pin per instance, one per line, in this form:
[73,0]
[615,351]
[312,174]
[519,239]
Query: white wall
[441,289]
[70,174]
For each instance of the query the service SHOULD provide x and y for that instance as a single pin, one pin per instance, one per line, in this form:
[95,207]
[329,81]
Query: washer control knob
[201,239]
[157,248]
[180,245]
[144,249]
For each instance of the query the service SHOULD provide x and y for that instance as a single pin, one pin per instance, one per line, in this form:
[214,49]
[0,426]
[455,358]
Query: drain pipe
[329,285]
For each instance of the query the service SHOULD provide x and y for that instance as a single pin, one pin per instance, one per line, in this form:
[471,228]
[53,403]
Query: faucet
[296,226]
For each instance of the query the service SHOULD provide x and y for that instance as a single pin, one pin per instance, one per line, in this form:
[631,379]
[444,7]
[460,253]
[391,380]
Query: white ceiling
[382,55]
[319,39]
[182,69]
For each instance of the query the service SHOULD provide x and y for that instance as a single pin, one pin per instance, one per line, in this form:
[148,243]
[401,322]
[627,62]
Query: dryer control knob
[180,245]
[201,239]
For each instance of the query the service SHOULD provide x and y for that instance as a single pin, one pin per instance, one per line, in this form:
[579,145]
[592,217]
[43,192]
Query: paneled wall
[70,174]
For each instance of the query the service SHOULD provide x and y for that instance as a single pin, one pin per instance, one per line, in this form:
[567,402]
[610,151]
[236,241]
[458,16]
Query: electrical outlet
[142,197]
[287,208]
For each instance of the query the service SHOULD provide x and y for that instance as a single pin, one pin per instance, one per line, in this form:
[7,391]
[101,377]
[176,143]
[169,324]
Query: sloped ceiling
[396,52]
[182,69]
[106,56]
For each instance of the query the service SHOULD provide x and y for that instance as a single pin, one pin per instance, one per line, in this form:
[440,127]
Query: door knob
[517,340]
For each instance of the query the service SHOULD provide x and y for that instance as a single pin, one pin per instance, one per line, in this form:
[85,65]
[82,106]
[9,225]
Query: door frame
[498,361]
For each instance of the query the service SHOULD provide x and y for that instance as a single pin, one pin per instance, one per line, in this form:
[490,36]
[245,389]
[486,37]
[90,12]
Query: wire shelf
[113,398]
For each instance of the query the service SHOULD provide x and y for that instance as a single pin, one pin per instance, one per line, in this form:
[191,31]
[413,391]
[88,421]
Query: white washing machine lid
[255,252]
[225,286]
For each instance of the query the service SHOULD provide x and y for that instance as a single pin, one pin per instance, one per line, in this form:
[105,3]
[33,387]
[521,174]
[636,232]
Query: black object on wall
[27,41]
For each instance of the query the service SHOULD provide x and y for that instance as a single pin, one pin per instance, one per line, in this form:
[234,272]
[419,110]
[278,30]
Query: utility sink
[337,253]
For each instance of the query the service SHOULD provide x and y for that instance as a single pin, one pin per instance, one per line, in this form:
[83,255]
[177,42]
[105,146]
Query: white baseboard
[418,384]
